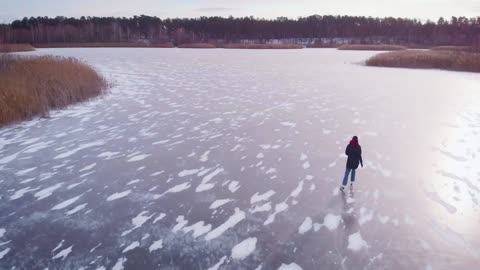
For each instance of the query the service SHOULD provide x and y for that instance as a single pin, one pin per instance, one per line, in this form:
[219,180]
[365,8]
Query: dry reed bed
[31,86]
[262,46]
[105,45]
[372,47]
[453,48]
[8,48]
[448,60]
[197,46]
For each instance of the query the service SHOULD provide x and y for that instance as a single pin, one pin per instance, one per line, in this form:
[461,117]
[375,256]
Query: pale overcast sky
[421,9]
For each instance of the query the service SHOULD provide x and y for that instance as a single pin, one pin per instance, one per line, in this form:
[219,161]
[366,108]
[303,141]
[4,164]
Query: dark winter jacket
[354,153]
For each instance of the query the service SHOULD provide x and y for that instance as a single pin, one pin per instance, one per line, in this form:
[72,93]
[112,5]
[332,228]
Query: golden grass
[31,86]
[453,48]
[262,46]
[372,47]
[197,45]
[322,46]
[7,48]
[104,45]
[448,60]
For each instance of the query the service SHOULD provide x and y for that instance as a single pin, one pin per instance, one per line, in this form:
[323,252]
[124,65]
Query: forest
[153,30]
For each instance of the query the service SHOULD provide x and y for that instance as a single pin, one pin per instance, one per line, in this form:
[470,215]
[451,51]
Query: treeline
[41,30]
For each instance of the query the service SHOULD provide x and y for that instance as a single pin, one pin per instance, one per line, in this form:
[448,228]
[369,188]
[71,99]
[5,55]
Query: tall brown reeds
[8,48]
[453,48]
[438,59]
[197,45]
[31,86]
[372,47]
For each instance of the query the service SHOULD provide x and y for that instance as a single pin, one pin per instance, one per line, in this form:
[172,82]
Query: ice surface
[244,248]
[180,115]
[81,147]
[217,265]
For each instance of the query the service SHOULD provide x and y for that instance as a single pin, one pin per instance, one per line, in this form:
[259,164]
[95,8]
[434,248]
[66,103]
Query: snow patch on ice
[160,217]
[305,226]
[204,185]
[138,158]
[118,195]
[189,172]
[44,193]
[244,248]
[297,190]
[4,252]
[119,264]
[219,203]
[156,245]
[233,186]
[131,246]
[66,203]
[76,209]
[238,216]
[89,167]
[19,193]
[261,197]
[291,266]
[81,147]
[138,221]
[175,189]
[26,171]
[63,254]
[262,208]
[288,124]
[278,208]
[356,242]
[331,221]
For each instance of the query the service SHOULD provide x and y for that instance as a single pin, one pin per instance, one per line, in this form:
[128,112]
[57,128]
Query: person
[354,153]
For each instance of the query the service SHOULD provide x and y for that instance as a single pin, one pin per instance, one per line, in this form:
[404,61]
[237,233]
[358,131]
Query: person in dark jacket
[354,153]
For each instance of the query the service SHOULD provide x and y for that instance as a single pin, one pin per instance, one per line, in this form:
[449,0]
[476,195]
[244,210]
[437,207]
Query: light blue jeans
[345,178]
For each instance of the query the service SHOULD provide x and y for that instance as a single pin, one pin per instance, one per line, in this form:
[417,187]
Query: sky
[420,9]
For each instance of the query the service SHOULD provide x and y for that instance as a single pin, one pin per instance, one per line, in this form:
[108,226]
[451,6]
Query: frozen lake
[232,159]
